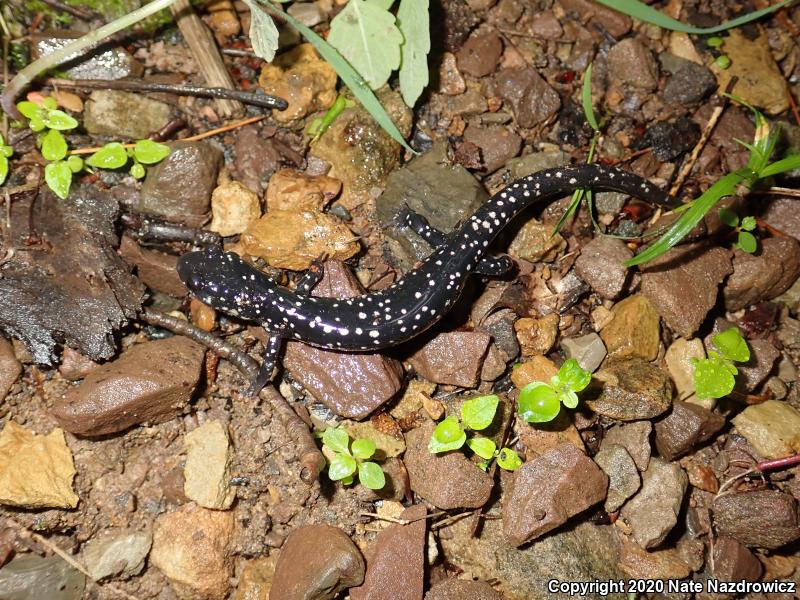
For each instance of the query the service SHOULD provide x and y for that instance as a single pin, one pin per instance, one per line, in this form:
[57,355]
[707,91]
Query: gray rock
[32,577]
[762,359]
[536,161]
[764,518]
[633,389]
[734,562]
[623,477]
[614,22]
[600,265]
[459,589]
[690,84]
[530,97]
[635,438]
[10,367]
[589,350]
[764,275]
[497,144]
[109,112]
[105,64]
[118,553]
[629,61]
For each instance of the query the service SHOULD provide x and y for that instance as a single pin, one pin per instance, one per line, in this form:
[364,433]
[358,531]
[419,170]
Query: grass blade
[586,99]
[780,166]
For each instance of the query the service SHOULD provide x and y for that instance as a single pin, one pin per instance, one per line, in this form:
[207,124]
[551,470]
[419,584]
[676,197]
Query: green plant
[5,154]
[115,155]
[540,402]
[321,124]
[745,240]
[346,460]
[715,376]
[476,414]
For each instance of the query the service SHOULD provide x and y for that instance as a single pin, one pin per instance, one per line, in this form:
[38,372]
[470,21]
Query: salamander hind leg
[311,277]
[274,345]
[494,266]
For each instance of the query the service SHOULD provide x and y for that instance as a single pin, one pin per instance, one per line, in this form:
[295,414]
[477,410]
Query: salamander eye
[194,282]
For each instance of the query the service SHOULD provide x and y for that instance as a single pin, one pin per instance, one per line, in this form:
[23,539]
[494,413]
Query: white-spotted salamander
[411,305]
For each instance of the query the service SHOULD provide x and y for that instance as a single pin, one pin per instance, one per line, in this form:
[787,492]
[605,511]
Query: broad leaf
[54,146]
[732,345]
[343,465]
[263,33]
[363,448]
[414,23]
[336,439]
[747,242]
[58,119]
[538,402]
[712,378]
[572,376]
[371,475]
[149,152]
[483,447]
[478,413]
[509,460]
[58,177]
[110,156]
[30,110]
[3,168]
[447,436]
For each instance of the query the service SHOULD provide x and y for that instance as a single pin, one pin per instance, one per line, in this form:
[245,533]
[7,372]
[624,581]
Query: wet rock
[256,157]
[537,336]
[782,214]
[545,25]
[638,563]
[156,269]
[762,518]
[179,187]
[734,562]
[653,512]
[349,383]
[633,389]
[149,383]
[448,480]
[458,589]
[772,428]
[762,359]
[534,242]
[292,190]
[635,438]
[33,577]
[452,358]
[10,367]
[116,552]
[671,139]
[192,547]
[396,561]
[682,284]
[600,265]
[538,368]
[74,365]
[36,471]
[686,426]
[614,22]
[548,490]
[480,54]
[303,79]
[207,472]
[690,84]
[105,64]
[497,144]
[316,563]
[108,112]
[629,61]
[309,14]
[451,82]
[535,162]
[589,350]
[623,477]
[679,363]
[540,438]
[530,97]
[233,208]
[635,329]
[255,579]
[764,275]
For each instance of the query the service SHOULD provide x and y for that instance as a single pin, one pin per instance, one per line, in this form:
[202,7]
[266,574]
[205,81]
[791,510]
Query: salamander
[414,303]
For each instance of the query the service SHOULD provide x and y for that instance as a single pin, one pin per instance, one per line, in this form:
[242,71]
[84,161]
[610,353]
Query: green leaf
[58,119]
[479,412]
[3,168]
[263,33]
[336,439]
[732,345]
[538,402]
[414,24]
[49,103]
[728,217]
[367,37]
[712,378]
[58,176]
[586,99]
[349,479]
[568,398]
[137,170]
[371,475]
[447,436]
[483,447]
[6,151]
[648,14]
[384,4]
[75,163]
[747,242]
[574,203]
[54,146]
[749,223]
[723,61]
[714,42]
[572,376]
[30,110]
[781,166]
[341,466]
[363,448]
[110,156]
[149,152]
[36,124]
[509,460]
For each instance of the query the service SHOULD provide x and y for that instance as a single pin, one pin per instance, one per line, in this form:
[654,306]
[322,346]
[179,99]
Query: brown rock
[461,589]
[349,383]
[678,359]
[537,336]
[762,518]
[75,365]
[538,368]
[452,358]
[635,438]
[763,356]
[771,427]
[633,389]
[530,97]
[623,477]
[480,54]
[448,480]
[156,269]
[684,427]
[233,207]
[600,265]
[255,579]
[256,157]
[734,562]
[629,61]
[149,383]
[549,490]
[535,242]
[540,438]
[396,561]
[451,82]
[682,284]
[10,367]
[764,275]
[545,25]
[614,22]
[634,330]
[638,563]
[782,214]
[497,144]
[293,190]
[317,562]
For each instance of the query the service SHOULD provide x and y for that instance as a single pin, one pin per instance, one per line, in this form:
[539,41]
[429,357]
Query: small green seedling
[715,376]
[476,414]
[115,155]
[5,154]
[540,402]
[345,460]
[321,124]
[745,240]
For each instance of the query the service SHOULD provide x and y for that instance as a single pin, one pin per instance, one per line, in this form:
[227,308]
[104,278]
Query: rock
[679,363]
[192,547]
[781,213]
[686,426]
[459,589]
[156,269]
[540,438]
[548,490]
[665,564]
[233,208]
[538,368]
[635,329]
[452,358]
[734,562]
[635,438]
[105,64]
[480,54]
[293,190]
[36,471]
[351,384]
[633,389]
[207,472]
[531,99]
[497,144]
[764,275]
[615,23]
[534,242]
[256,157]
[671,139]
[449,480]
[33,577]
[316,563]
[629,61]
[74,365]
[623,477]
[303,79]
[309,14]
[772,428]
[537,336]
[255,579]
[682,284]
[10,367]
[690,84]
[108,112]
[763,356]
[545,25]
[396,561]
[764,518]
[653,512]
[600,265]
[116,552]
[451,82]
[383,431]
[149,383]
[589,350]
[535,162]
[179,187]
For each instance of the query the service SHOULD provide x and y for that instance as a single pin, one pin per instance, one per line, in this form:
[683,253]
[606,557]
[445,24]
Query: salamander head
[212,275]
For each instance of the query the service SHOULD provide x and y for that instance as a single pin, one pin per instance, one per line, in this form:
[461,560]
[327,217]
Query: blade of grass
[586,98]
[780,166]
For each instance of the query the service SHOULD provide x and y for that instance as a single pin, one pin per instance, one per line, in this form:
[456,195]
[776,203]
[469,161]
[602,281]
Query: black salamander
[411,305]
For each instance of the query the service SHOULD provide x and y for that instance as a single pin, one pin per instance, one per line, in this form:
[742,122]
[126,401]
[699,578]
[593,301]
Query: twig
[401,521]
[793,104]
[778,191]
[156,230]
[83,15]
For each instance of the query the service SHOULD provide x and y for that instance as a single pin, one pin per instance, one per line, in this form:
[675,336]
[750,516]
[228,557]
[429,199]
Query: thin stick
[397,521]
[793,104]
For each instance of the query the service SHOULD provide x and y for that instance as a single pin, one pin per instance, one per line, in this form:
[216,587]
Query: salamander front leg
[274,345]
[494,266]
[311,277]
[419,224]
